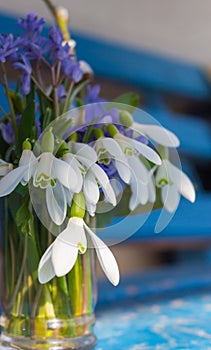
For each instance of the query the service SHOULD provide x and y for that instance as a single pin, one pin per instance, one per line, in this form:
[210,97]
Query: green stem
[20,273]
[66,105]
[40,88]
[12,254]
[55,97]
[12,111]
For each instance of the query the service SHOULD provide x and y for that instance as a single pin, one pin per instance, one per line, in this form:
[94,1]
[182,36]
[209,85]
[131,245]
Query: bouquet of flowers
[68,156]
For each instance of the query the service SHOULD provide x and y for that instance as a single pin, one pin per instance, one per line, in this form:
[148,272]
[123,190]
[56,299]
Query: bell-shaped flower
[62,254]
[55,176]
[157,133]
[173,183]
[21,174]
[95,179]
[131,146]
[141,184]
[84,159]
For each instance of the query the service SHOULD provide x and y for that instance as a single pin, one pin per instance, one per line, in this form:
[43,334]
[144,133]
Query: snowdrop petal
[45,268]
[85,151]
[56,203]
[105,257]
[9,182]
[66,247]
[146,151]
[152,192]
[75,165]
[182,181]
[114,149]
[103,180]
[28,158]
[91,208]
[66,175]
[170,197]
[138,169]
[123,170]
[159,134]
[90,188]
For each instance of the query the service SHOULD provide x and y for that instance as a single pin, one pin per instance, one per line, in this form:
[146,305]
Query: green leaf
[129,98]
[47,118]
[26,124]
[22,213]
[17,102]
[76,91]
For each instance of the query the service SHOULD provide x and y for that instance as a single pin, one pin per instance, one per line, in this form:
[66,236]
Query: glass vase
[57,315]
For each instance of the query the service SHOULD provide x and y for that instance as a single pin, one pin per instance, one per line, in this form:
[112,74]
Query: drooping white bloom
[131,146]
[121,148]
[141,184]
[20,174]
[157,133]
[50,174]
[173,183]
[94,178]
[62,254]
[5,167]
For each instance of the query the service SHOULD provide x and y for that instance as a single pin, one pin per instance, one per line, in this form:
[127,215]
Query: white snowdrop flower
[94,177]
[21,174]
[157,133]
[48,173]
[173,183]
[142,186]
[62,254]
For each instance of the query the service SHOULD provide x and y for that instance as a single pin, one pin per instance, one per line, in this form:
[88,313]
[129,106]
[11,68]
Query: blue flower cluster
[32,47]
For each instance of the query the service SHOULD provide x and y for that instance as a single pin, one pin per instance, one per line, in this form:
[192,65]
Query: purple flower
[72,69]
[8,47]
[96,113]
[7,133]
[26,70]
[93,94]
[55,36]
[31,24]
[61,93]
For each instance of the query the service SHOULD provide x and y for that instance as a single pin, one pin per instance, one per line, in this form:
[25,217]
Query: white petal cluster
[80,170]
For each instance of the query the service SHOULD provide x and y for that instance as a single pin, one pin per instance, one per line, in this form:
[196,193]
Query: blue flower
[8,133]
[61,93]
[93,94]
[96,113]
[72,69]
[9,47]
[55,36]
[26,70]
[31,24]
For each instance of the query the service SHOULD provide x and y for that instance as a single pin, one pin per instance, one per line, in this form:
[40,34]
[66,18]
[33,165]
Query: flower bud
[26,145]
[112,130]
[125,118]
[78,205]
[47,144]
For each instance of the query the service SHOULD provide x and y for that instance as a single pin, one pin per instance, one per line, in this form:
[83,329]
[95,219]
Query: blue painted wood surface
[151,71]
[168,308]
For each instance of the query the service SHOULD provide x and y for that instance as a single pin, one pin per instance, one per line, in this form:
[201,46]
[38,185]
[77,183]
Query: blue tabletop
[169,308]
[177,323]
